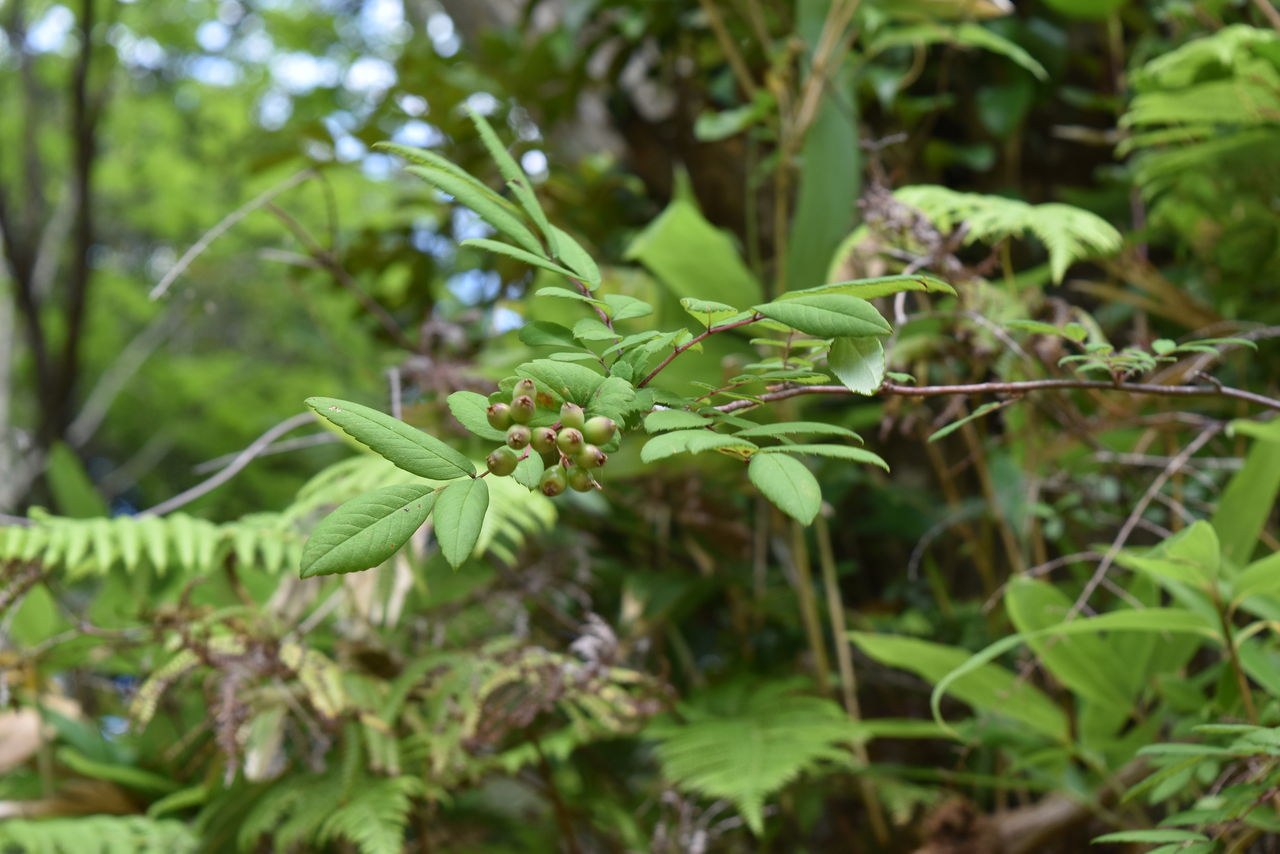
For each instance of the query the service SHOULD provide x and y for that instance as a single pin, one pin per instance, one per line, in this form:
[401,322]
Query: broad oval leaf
[460,511]
[858,363]
[988,688]
[399,443]
[367,530]
[472,412]
[828,315]
[788,484]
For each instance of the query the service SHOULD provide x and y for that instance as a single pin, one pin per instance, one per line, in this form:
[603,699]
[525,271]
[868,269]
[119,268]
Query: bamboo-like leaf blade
[367,530]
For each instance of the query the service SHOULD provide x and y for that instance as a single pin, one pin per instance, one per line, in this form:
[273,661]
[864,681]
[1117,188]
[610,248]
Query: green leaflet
[689,442]
[542,333]
[562,380]
[788,484]
[881,286]
[623,307]
[518,254]
[460,512]
[708,312]
[516,180]
[676,419]
[485,205]
[529,470]
[982,410]
[367,530]
[828,315]
[593,329]
[839,452]
[401,444]
[471,410]
[858,363]
[791,428]
[576,258]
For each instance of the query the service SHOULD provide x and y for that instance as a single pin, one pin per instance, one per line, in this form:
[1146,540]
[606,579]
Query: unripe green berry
[569,441]
[544,440]
[499,416]
[580,480]
[553,481]
[571,415]
[590,457]
[518,436]
[502,461]
[599,430]
[524,388]
[522,409]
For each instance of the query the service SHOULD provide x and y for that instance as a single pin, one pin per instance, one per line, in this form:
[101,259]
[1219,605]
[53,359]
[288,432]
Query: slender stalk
[809,605]
[754,318]
[1234,657]
[848,676]
[739,65]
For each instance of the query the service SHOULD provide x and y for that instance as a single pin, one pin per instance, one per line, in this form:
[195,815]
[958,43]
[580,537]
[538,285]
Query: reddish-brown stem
[1015,388]
[754,318]
[586,292]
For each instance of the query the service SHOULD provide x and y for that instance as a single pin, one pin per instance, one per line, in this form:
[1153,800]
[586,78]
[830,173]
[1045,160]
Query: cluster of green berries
[570,448]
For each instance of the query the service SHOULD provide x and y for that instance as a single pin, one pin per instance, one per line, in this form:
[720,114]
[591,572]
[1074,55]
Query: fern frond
[375,816]
[764,739]
[181,543]
[1069,233]
[96,834]
[1211,105]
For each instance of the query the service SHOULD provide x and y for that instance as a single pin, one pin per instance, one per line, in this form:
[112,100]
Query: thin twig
[693,342]
[1269,12]
[222,227]
[1131,522]
[310,440]
[740,70]
[245,457]
[342,277]
[1019,387]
